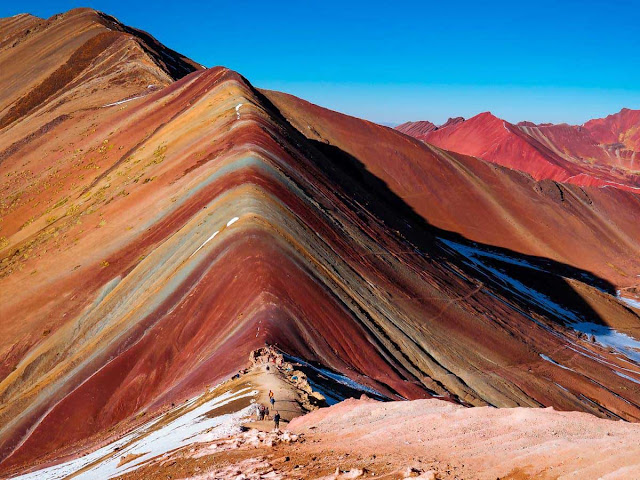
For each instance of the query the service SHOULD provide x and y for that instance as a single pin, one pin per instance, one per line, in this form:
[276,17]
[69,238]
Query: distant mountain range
[602,152]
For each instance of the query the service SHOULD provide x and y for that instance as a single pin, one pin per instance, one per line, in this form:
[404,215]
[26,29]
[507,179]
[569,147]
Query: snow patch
[616,185]
[627,377]
[205,242]
[632,302]
[342,379]
[213,235]
[608,337]
[560,386]
[238,111]
[155,438]
[475,258]
[547,359]
[121,102]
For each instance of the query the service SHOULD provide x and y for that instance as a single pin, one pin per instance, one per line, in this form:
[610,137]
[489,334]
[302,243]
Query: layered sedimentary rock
[153,237]
[620,130]
[416,128]
[595,229]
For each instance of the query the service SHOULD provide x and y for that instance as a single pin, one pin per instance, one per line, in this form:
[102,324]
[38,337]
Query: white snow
[121,101]
[560,386]
[517,288]
[616,184]
[544,357]
[342,379]
[622,343]
[330,397]
[213,235]
[238,111]
[632,302]
[205,242]
[154,439]
[625,345]
[578,349]
[627,377]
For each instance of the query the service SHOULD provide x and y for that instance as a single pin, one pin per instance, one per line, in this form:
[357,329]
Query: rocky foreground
[430,439]
[218,436]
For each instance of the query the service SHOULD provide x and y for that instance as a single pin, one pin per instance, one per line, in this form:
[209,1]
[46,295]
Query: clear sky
[391,61]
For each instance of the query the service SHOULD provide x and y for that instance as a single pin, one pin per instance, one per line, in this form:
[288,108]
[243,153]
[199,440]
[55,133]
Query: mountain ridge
[593,154]
[151,243]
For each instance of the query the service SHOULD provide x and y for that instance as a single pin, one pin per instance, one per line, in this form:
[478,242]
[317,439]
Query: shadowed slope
[590,228]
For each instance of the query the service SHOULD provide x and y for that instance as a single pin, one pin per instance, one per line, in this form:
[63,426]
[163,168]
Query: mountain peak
[416,128]
[86,46]
[552,151]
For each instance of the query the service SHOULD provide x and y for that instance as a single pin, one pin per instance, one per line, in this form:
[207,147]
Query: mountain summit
[83,58]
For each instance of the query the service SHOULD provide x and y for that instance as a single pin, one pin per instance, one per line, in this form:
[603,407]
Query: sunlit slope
[205,227]
[600,153]
[78,59]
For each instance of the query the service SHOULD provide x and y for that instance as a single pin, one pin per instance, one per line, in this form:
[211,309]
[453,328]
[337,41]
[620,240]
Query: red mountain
[620,130]
[600,153]
[416,128]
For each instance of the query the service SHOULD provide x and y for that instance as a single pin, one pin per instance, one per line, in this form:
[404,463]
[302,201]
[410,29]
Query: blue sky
[544,61]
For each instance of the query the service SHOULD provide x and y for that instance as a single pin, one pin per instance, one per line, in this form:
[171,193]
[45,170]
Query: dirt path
[270,373]
[287,399]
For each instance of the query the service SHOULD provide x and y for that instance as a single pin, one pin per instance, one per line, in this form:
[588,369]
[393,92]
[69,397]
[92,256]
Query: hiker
[276,420]
[266,413]
[261,411]
[273,401]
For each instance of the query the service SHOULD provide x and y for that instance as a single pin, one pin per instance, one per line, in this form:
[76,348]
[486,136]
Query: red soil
[600,153]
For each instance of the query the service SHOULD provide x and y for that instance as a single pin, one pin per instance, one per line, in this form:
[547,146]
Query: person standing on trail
[276,420]
[273,401]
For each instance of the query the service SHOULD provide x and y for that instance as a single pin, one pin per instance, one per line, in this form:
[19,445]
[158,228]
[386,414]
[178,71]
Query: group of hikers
[263,412]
